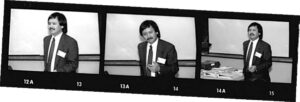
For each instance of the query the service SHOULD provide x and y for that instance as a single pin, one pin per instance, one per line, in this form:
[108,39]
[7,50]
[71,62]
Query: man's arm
[46,45]
[140,61]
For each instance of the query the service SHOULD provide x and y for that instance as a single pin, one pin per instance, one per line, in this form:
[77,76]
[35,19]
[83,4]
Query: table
[223,73]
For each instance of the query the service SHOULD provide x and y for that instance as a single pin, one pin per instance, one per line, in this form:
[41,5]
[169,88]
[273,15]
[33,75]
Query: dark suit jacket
[262,63]
[165,50]
[68,45]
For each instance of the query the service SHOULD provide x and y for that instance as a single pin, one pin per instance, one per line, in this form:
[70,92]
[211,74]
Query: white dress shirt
[253,49]
[154,50]
[57,40]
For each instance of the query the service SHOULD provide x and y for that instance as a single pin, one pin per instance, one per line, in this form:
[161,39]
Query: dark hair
[259,27]
[147,24]
[61,19]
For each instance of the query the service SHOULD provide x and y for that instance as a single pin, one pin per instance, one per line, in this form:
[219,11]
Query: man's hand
[252,69]
[154,67]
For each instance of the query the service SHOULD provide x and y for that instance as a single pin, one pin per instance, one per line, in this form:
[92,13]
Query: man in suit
[60,50]
[158,58]
[257,55]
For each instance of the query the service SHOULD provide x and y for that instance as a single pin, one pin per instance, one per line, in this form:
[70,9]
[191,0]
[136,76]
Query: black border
[132,84]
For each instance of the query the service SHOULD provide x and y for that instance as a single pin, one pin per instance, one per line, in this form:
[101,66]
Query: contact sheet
[202,54]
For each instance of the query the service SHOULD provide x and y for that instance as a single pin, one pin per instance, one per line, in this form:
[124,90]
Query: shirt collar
[255,41]
[154,44]
[58,36]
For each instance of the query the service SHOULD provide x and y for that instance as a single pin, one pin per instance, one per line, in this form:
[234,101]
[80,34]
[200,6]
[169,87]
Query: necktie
[249,53]
[150,55]
[51,52]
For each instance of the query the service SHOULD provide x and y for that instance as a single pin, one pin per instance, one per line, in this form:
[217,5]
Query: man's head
[57,23]
[255,31]
[149,31]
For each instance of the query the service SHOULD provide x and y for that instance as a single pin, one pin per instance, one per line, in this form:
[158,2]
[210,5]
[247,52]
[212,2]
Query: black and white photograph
[227,55]
[54,41]
[144,50]
[128,41]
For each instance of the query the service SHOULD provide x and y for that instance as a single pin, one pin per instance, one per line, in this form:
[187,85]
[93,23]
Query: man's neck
[54,35]
[254,39]
[154,41]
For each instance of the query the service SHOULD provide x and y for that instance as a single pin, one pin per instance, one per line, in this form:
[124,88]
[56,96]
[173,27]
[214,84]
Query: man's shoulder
[246,42]
[264,43]
[47,37]
[144,43]
[68,38]
[165,43]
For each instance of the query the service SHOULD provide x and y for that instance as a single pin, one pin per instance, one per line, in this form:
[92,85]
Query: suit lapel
[246,48]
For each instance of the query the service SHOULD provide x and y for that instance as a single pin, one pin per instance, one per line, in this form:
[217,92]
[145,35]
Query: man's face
[149,34]
[54,27]
[253,33]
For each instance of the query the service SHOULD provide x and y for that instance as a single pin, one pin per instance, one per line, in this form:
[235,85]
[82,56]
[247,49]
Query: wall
[87,67]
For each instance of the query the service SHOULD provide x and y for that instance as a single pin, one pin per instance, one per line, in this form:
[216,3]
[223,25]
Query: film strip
[208,51]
